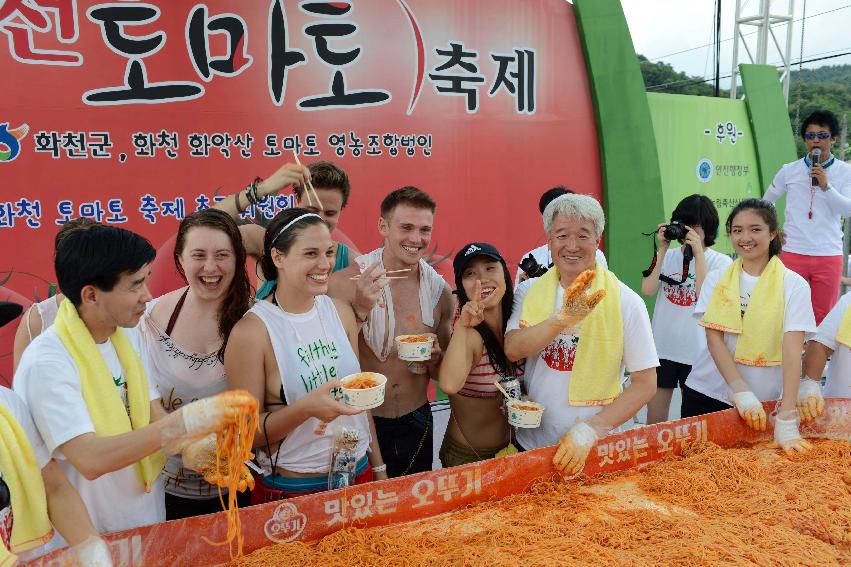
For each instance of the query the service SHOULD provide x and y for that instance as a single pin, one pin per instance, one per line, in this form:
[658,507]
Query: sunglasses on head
[820,135]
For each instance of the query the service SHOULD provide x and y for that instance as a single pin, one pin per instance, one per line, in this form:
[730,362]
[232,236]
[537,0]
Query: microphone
[815,155]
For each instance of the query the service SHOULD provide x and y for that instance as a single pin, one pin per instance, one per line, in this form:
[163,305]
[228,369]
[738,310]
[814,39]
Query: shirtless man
[419,303]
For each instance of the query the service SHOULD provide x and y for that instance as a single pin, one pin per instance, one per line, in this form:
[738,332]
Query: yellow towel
[844,335]
[105,406]
[596,377]
[31,526]
[761,329]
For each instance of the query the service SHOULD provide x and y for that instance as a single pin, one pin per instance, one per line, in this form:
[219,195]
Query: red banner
[137,114]
[423,495]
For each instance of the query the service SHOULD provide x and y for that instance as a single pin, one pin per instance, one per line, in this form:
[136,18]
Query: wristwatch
[829,187]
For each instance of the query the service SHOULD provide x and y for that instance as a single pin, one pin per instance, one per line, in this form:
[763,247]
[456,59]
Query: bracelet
[380,468]
[248,196]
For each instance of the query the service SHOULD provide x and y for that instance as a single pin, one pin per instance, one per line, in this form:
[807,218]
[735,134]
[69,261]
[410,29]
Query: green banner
[705,145]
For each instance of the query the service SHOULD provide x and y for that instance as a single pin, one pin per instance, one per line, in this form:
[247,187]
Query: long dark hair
[496,353]
[236,302]
[768,213]
[283,241]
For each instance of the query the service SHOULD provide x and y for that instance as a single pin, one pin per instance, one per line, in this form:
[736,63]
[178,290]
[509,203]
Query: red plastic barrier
[428,494]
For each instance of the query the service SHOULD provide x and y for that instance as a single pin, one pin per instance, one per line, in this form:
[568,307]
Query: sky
[661,28]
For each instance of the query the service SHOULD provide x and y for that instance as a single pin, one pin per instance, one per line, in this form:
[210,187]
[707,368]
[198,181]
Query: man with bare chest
[414,300]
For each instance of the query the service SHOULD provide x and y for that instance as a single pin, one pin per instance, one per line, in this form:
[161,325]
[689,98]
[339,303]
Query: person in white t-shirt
[541,255]
[721,377]
[827,343]
[65,509]
[818,195]
[676,281]
[85,383]
[551,336]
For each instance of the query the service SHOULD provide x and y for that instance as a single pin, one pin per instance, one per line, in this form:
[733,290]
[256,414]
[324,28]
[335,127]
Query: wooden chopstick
[383,277]
[309,187]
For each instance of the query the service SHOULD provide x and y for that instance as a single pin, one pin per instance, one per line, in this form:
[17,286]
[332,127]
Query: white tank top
[182,377]
[47,310]
[311,349]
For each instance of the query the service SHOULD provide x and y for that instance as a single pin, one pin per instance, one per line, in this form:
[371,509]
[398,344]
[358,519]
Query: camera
[532,268]
[675,231]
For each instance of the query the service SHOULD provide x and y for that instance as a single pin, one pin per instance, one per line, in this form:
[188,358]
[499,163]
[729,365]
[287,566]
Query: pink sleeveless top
[480,381]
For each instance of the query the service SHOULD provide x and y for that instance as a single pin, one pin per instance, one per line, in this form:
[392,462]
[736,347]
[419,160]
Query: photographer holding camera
[676,277]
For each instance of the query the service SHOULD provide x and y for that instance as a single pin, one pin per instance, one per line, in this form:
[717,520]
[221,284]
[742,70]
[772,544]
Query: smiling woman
[185,332]
[290,351]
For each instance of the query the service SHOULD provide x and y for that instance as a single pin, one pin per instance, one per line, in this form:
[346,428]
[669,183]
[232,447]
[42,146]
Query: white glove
[751,410]
[200,456]
[786,433]
[574,446]
[810,401]
[209,415]
[93,552]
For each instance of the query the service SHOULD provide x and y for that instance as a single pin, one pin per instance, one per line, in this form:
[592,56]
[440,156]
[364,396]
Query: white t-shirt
[47,379]
[547,375]
[543,257]
[766,382]
[19,411]
[676,332]
[838,384]
[820,235]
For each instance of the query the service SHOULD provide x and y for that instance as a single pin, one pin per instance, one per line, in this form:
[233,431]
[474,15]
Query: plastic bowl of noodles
[414,348]
[364,390]
[525,414]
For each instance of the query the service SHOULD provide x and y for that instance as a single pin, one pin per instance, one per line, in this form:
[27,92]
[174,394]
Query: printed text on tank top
[170,400]
[307,356]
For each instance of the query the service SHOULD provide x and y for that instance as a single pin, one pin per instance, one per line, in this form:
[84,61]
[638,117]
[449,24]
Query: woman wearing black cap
[474,359]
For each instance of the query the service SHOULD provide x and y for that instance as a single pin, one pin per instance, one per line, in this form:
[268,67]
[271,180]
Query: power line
[744,35]
[705,80]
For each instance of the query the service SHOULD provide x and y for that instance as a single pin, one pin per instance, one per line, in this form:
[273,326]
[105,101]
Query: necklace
[311,359]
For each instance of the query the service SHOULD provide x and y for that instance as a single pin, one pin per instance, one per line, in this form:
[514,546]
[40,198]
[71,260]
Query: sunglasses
[820,135]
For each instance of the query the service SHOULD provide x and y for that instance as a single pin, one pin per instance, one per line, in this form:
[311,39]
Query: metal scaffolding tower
[764,21]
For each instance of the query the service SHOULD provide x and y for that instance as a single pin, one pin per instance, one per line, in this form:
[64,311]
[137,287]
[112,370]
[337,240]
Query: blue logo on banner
[704,170]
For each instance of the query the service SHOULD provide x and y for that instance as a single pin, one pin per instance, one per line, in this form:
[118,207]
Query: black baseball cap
[470,251]
[9,312]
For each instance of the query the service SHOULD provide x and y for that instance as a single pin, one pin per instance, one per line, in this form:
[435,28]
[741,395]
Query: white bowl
[419,351]
[529,419]
[364,398]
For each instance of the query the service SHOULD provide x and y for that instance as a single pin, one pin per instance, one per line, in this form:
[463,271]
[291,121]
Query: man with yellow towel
[86,386]
[576,346]
[38,495]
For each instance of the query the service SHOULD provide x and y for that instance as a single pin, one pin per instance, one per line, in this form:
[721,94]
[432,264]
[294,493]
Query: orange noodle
[714,506]
[361,381]
[233,447]
[414,339]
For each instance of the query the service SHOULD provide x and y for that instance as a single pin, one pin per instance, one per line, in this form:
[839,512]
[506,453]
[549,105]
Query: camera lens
[675,231]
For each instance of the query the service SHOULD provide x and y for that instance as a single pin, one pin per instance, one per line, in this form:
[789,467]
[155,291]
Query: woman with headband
[290,352]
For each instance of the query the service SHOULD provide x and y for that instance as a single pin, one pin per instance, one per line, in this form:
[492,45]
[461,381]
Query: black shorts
[406,441]
[695,403]
[671,373]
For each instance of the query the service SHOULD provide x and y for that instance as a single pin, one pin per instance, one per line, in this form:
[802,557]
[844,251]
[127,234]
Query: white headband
[289,224]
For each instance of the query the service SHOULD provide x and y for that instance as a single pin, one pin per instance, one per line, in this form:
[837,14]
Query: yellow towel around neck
[31,527]
[843,337]
[761,329]
[105,406]
[596,377]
